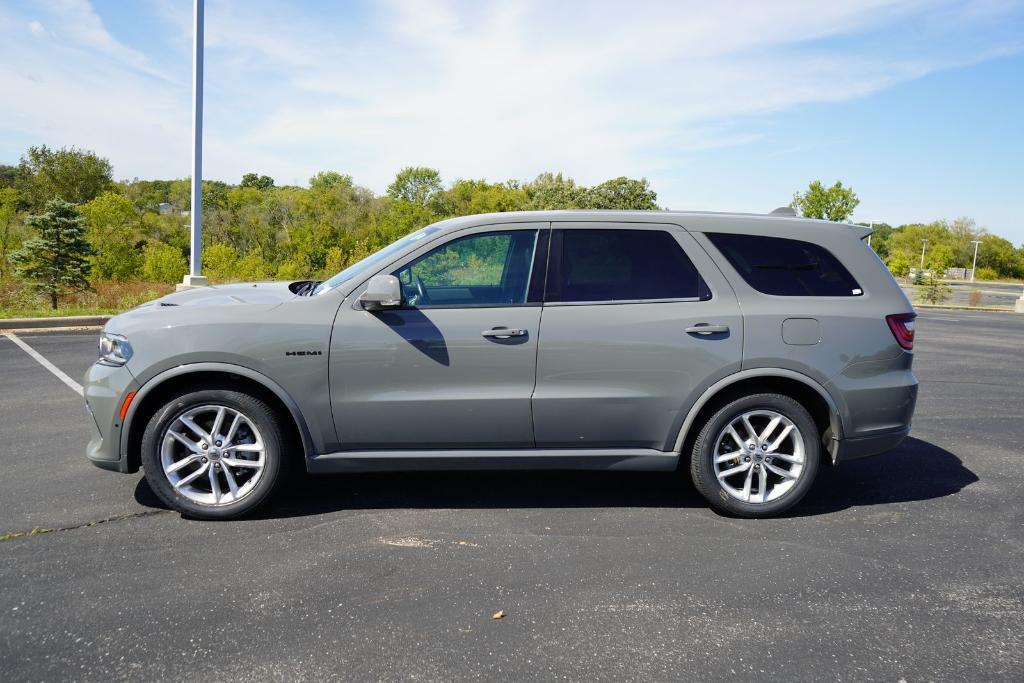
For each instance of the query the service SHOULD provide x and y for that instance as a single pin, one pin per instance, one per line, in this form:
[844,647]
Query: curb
[954,307]
[63,322]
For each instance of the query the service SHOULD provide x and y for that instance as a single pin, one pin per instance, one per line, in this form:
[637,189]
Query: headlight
[114,349]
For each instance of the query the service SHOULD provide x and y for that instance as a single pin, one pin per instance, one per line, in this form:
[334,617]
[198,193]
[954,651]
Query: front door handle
[705,328]
[503,333]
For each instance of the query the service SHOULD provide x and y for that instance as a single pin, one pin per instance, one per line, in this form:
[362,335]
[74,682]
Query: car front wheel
[756,456]
[213,453]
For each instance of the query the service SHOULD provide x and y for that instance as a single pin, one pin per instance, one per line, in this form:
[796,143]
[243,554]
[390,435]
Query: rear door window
[786,267]
[608,265]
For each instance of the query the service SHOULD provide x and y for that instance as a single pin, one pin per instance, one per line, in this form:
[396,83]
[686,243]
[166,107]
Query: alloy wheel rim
[213,455]
[759,456]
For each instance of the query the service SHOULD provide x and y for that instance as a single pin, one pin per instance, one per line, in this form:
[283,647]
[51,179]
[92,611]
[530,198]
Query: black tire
[702,467]
[255,410]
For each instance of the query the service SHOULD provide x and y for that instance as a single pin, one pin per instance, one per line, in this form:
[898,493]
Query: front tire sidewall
[255,409]
[703,468]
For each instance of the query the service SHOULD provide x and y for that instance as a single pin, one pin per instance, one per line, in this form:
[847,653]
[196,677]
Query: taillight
[902,326]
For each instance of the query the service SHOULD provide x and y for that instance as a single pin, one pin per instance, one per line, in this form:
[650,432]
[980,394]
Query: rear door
[637,323]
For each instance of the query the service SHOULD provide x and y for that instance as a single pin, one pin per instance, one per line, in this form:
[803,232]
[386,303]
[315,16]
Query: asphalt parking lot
[909,566]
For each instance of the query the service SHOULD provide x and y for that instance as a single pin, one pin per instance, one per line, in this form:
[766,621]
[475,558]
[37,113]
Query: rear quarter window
[786,267]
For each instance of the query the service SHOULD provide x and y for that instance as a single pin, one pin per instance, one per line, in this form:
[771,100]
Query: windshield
[374,258]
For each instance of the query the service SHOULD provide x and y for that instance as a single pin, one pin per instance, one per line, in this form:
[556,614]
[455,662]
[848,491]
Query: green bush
[986,274]
[163,263]
[252,267]
[220,262]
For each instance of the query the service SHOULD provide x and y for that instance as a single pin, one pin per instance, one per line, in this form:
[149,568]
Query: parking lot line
[57,372]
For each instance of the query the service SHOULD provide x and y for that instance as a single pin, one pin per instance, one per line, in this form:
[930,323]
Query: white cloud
[594,89]
[37,29]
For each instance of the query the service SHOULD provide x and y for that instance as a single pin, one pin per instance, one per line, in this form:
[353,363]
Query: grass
[17,300]
[19,534]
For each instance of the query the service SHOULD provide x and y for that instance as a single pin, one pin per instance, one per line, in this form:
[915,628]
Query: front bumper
[105,388]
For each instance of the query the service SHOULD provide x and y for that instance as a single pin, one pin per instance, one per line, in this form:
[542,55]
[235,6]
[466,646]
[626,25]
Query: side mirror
[382,291]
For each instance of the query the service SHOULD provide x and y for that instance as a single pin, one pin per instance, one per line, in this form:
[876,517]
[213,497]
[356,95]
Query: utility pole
[924,245]
[194,277]
[974,268]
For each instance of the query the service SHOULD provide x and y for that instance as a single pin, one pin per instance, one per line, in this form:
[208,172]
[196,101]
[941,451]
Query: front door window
[487,269]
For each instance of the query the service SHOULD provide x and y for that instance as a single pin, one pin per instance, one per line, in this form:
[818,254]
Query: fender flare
[835,417]
[189,368]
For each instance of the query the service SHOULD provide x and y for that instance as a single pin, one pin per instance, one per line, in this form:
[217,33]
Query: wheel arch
[147,402]
[800,387]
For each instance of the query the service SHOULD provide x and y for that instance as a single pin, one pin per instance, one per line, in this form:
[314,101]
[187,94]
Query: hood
[226,295]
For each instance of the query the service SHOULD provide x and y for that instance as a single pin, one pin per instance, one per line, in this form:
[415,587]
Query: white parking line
[57,372]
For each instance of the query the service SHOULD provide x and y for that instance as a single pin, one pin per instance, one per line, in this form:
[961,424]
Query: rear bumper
[866,446]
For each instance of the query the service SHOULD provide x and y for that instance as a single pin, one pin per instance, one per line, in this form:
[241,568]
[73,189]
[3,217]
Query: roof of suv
[698,220]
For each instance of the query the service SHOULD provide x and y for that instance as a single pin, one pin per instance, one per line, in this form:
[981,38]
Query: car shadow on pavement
[917,470]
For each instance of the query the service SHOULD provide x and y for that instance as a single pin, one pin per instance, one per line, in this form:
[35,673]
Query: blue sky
[729,105]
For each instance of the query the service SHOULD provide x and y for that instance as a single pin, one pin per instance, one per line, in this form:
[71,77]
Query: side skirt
[644,459]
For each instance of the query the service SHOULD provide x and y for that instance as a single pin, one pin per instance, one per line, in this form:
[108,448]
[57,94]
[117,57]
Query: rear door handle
[503,333]
[705,328]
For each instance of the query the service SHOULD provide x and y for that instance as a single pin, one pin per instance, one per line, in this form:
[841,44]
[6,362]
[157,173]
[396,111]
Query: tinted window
[485,269]
[620,265]
[784,267]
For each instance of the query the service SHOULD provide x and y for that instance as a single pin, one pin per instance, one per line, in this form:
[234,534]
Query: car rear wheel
[213,453]
[757,456]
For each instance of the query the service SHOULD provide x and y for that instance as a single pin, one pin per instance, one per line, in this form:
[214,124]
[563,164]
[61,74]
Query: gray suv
[751,349]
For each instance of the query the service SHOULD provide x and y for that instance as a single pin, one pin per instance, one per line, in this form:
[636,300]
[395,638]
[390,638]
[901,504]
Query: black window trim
[553,271]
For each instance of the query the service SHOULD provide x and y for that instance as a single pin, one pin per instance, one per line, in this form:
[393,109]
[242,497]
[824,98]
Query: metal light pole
[974,268]
[924,245]
[194,278]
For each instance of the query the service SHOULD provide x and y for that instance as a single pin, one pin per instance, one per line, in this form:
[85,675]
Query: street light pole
[924,245]
[194,277]
[974,268]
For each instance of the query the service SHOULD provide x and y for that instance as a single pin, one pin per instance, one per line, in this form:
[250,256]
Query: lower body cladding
[637,459]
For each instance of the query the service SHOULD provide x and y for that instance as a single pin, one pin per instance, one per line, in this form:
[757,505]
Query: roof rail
[783,211]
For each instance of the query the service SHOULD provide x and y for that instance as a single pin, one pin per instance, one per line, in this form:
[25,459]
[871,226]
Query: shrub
[986,274]
[899,266]
[163,263]
[220,262]
[974,298]
[253,267]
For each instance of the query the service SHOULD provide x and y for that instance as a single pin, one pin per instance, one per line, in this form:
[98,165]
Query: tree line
[66,224]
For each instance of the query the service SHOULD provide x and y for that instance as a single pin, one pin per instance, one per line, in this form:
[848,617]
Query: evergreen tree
[56,256]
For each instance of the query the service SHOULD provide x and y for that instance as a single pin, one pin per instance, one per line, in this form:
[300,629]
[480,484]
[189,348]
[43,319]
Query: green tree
[329,180]
[622,193]
[57,256]
[260,182]
[835,203]
[8,175]
[68,173]
[553,191]
[10,234]
[163,263]
[933,290]
[416,184]
[113,231]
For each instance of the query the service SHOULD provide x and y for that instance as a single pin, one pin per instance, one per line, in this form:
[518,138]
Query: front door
[638,321]
[454,366]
